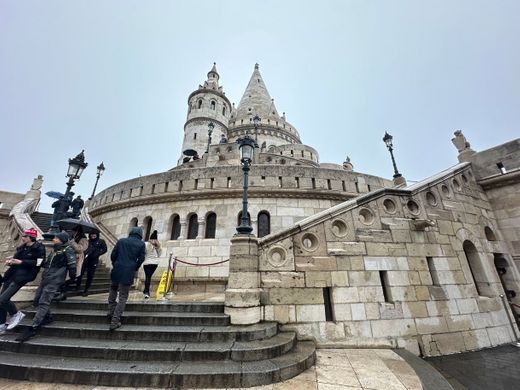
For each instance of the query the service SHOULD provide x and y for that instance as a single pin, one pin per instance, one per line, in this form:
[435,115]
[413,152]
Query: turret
[207,104]
[274,130]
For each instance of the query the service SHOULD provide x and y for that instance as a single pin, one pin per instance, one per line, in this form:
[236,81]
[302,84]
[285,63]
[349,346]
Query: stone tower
[207,104]
[274,129]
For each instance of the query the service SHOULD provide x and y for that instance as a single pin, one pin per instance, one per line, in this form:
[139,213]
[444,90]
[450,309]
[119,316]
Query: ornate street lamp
[256,123]
[211,126]
[387,139]
[246,148]
[100,169]
[76,167]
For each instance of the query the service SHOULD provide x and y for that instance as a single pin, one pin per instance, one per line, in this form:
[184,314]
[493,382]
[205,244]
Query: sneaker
[146,296]
[15,320]
[27,334]
[3,328]
[85,293]
[114,325]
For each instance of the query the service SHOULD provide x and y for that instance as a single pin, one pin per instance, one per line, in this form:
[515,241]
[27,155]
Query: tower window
[264,224]
[224,111]
[211,225]
[193,227]
[213,105]
[194,135]
[199,104]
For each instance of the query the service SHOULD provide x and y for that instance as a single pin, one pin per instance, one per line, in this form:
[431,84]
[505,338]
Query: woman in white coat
[153,252]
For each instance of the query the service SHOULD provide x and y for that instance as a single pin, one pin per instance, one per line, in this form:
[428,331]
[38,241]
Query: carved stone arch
[478,266]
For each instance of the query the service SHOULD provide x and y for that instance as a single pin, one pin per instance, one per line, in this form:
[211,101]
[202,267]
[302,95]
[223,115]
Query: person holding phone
[23,268]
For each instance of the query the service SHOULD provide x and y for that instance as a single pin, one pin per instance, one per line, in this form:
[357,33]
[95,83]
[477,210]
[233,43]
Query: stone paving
[489,369]
[350,369]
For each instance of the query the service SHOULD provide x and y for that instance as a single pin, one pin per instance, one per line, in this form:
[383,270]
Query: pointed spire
[256,100]
[213,72]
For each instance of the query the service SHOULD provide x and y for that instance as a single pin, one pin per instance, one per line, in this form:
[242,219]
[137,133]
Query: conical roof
[256,100]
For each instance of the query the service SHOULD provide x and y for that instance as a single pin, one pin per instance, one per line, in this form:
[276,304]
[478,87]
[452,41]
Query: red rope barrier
[199,265]
[514,304]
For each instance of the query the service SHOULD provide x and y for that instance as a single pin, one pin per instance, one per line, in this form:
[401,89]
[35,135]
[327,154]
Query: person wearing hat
[23,268]
[151,261]
[55,267]
[127,256]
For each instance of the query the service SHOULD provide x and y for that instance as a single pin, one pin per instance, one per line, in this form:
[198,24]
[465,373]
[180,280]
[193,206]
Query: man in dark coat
[55,267]
[127,257]
[23,268]
[77,204]
[96,248]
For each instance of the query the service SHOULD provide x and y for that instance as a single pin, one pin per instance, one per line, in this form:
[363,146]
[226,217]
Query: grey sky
[113,78]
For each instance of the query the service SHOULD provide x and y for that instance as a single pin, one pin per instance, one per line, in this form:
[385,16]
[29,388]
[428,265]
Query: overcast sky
[113,78]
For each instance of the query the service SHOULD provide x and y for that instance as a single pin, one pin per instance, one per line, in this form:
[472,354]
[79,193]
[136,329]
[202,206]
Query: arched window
[224,111]
[240,218]
[213,104]
[199,104]
[264,224]
[193,227]
[147,226]
[134,222]
[490,235]
[211,225]
[477,269]
[175,227]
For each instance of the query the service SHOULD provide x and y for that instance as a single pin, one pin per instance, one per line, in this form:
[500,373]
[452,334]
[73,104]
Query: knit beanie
[63,237]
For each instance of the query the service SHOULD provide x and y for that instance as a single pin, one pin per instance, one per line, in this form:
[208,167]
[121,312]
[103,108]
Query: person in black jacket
[127,257]
[96,248]
[55,267]
[23,268]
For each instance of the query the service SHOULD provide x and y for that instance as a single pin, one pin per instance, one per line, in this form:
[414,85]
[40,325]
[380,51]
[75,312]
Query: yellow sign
[163,284]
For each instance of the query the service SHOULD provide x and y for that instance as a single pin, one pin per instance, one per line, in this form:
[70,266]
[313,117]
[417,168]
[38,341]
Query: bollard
[515,343]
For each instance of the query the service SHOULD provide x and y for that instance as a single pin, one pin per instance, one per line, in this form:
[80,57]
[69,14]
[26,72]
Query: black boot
[26,334]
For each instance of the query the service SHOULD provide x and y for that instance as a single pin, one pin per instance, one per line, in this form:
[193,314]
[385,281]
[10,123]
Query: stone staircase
[170,345]
[100,283]
[42,220]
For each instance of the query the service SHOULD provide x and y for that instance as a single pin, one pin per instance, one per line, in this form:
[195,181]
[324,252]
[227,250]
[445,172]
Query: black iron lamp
[256,123]
[76,167]
[387,139]
[211,126]
[246,149]
[100,169]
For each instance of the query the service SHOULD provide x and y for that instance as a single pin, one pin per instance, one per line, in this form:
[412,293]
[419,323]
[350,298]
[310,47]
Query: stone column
[183,234]
[202,228]
[242,302]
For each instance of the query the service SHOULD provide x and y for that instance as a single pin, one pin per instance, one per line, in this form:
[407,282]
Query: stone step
[91,291]
[144,373]
[149,306]
[196,333]
[152,350]
[138,318]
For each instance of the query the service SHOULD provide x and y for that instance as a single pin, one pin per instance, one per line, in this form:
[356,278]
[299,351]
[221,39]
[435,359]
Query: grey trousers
[116,308]
[6,306]
[43,298]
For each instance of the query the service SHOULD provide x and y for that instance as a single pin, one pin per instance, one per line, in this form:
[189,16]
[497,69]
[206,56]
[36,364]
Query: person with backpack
[60,261]
[127,257]
[96,248]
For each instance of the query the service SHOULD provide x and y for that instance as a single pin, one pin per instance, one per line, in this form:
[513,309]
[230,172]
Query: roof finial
[257,66]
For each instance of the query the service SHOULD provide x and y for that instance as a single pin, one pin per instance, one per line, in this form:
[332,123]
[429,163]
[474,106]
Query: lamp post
[387,139]
[76,167]
[211,126]
[246,148]
[100,169]
[256,123]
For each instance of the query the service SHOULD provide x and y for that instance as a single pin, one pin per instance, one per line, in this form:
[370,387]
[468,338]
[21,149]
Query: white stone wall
[396,269]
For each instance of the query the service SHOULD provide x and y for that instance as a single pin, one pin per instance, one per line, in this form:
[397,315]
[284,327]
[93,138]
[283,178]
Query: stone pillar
[242,302]
[183,234]
[202,228]
[400,181]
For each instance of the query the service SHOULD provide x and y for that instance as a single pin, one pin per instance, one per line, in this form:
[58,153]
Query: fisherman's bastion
[338,257]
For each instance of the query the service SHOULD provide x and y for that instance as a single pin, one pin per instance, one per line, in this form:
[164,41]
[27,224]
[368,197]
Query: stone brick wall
[397,267]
